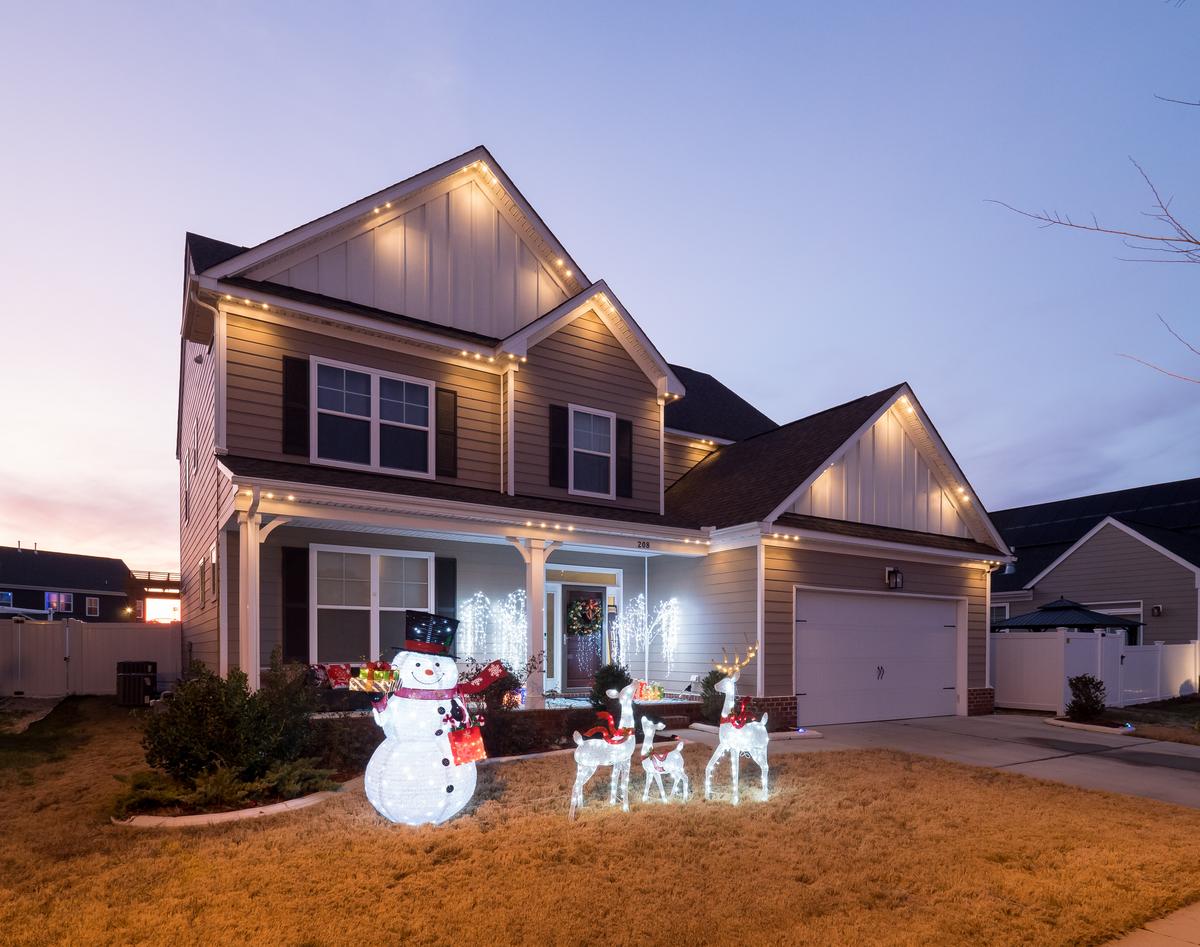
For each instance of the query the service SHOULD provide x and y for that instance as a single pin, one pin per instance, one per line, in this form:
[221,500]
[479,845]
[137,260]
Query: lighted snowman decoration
[412,777]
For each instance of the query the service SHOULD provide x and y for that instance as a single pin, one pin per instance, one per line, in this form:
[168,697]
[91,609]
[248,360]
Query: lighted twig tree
[635,631]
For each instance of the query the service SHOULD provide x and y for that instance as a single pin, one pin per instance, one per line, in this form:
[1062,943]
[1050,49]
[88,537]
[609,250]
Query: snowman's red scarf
[479,682]
[740,717]
[610,731]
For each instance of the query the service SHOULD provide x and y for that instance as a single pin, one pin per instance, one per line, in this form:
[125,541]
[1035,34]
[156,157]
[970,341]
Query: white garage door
[873,657]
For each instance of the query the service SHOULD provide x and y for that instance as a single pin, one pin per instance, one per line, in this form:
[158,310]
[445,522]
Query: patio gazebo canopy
[1063,613]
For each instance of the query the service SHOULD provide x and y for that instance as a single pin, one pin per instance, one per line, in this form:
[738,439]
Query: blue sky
[792,197]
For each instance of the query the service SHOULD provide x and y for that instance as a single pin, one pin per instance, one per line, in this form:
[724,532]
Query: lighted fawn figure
[666,761]
[613,747]
[738,734]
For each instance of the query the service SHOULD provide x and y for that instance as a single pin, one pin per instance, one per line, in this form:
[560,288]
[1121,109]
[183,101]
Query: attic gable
[456,245]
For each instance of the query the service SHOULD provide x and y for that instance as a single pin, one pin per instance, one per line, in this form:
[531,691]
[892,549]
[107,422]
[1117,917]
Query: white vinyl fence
[1030,669]
[54,658]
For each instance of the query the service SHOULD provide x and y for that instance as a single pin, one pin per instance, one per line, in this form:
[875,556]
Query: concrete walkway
[1025,744]
[1174,930]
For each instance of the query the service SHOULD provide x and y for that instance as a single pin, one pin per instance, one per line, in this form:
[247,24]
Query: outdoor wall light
[1156,611]
[893,578]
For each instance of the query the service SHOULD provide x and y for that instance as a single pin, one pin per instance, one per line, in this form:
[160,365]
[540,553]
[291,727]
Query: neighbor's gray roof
[708,407]
[1063,613]
[61,571]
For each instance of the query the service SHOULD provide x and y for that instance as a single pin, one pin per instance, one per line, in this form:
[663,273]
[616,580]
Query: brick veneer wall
[980,701]
[782,711]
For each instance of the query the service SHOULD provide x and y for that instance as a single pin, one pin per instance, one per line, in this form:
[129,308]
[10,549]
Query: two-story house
[420,400]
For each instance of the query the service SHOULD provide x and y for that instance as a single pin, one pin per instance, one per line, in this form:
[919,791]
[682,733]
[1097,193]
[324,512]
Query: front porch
[327,584]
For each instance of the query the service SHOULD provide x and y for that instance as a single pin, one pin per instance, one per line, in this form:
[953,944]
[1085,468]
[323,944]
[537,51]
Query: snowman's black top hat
[429,633]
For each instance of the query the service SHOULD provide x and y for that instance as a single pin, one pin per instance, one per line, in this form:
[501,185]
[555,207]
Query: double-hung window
[372,419]
[592,458]
[358,598]
[60,602]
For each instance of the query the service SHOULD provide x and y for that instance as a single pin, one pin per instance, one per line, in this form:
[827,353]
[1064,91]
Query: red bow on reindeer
[610,731]
[740,717]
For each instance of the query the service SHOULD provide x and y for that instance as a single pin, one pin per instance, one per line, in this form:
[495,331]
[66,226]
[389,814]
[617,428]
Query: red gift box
[466,745]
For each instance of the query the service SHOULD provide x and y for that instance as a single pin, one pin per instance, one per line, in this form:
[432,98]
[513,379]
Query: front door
[583,620]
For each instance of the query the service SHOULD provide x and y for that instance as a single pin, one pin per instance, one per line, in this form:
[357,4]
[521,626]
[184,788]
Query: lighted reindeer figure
[738,734]
[613,747]
[667,761]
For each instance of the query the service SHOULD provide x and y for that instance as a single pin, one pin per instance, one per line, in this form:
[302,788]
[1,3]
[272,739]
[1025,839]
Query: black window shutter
[445,586]
[447,433]
[294,565]
[295,405]
[559,445]
[624,458]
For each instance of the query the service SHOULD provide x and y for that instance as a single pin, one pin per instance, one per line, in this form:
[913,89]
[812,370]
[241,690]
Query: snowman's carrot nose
[429,672]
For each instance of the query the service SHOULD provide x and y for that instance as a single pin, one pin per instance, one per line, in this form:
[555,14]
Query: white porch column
[535,552]
[249,646]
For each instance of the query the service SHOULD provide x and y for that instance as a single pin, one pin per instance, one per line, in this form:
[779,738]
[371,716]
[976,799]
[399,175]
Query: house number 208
[643,544]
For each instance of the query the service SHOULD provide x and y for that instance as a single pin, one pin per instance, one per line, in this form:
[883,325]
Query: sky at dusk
[792,197]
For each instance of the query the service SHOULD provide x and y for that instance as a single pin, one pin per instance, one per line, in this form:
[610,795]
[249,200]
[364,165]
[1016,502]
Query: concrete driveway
[1025,744]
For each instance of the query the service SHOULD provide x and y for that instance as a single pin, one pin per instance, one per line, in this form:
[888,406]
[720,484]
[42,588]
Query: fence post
[1158,685]
[1062,670]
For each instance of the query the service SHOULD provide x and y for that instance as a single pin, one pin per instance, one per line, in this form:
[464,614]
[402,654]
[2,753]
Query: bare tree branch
[1157,368]
[1163,98]
[1170,328]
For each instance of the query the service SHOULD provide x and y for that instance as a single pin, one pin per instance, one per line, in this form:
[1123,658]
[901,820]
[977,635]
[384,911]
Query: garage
[874,657]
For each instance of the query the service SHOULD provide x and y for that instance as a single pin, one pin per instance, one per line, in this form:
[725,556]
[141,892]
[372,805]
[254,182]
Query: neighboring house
[1133,553]
[420,400]
[45,584]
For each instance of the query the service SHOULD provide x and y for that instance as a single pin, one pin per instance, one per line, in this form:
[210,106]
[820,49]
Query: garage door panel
[865,657]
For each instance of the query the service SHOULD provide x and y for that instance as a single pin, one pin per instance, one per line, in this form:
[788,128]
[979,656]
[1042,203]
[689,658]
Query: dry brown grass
[854,847]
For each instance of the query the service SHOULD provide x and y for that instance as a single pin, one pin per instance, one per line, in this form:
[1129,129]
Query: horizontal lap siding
[254,392]
[679,456]
[199,532]
[718,604]
[584,364]
[787,567]
[1113,566]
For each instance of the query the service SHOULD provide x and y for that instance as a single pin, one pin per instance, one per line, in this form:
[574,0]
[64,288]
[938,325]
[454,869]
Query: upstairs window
[591,454]
[372,420]
[60,602]
[92,606]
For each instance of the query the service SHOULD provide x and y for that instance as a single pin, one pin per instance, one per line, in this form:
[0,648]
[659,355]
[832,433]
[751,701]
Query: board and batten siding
[787,567]
[681,454]
[1113,566]
[583,364]
[718,604]
[883,479]
[198,530]
[453,258]
[254,392]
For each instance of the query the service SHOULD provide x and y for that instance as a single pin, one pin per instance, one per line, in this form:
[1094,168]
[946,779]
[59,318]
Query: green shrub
[608,677]
[295,778]
[343,744]
[1087,698]
[215,723]
[149,790]
[220,789]
[711,699]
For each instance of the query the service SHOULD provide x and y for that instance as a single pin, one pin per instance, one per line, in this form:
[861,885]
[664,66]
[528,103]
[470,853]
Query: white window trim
[69,597]
[91,606]
[612,452]
[995,605]
[373,604]
[1134,608]
[374,420]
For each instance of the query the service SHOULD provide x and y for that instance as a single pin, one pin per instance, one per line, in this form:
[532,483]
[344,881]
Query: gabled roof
[1063,613]
[61,571]
[885,534]
[1042,532]
[746,481]
[712,409]
[205,252]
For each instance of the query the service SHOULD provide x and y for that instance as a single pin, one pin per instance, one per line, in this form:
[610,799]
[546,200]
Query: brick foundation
[782,711]
[980,701]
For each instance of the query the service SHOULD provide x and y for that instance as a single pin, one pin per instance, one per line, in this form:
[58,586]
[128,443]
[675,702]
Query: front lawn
[854,847]
[1175,720]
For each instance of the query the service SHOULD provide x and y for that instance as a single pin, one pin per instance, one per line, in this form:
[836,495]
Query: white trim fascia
[221,395]
[760,608]
[855,546]
[511,421]
[1018,595]
[736,537]
[340,319]
[362,209]
[1127,530]
[222,603]
[505,519]
[690,436]
[662,457]
[648,358]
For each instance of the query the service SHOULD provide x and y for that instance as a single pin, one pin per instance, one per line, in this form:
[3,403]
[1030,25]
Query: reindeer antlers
[731,667]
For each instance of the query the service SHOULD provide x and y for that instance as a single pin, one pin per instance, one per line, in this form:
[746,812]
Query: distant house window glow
[160,609]
[60,602]
[92,606]
[140,608]
[5,599]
